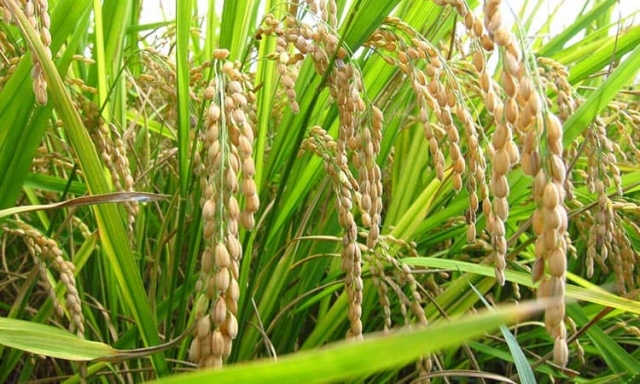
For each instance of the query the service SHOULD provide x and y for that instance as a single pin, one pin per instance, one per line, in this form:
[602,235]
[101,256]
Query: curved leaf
[347,360]
[50,341]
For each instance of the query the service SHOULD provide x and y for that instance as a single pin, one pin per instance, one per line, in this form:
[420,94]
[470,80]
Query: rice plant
[318,191]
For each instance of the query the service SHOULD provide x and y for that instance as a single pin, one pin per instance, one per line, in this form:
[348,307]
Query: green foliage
[138,279]
[49,341]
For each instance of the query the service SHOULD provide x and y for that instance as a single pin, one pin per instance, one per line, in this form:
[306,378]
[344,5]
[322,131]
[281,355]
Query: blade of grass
[236,22]
[616,357]
[116,16]
[413,216]
[212,24]
[101,61]
[113,235]
[345,360]
[582,22]
[22,125]
[522,364]
[53,184]
[365,17]
[116,197]
[598,100]
[611,49]
[599,297]
[183,28]
[184,11]
[50,341]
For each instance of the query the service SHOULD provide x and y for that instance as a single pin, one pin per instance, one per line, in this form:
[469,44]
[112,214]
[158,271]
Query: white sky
[160,10]
[567,11]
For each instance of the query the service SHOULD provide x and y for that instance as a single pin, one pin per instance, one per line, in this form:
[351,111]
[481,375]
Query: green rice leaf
[619,360]
[600,296]
[50,341]
[599,99]
[113,236]
[346,360]
[522,364]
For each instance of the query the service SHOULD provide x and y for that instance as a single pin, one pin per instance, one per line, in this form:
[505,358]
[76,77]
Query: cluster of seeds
[479,44]
[285,67]
[45,251]
[46,160]
[37,13]
[606,237]
[356,134]
[345,86]
[607,241]
[505,153]
[550,221]
[226,175]
[351,256]
[556,78]
[602,165]
[437,94]
[514,103]
[323,145]
[429,85]
[624,258]
[370,186]
[402,277]
[155,86]
[630,329]
[520,114]
[113,151]
[627,123]
[326,9]
[9,58]
[517,110]
[409,304]
[605,230]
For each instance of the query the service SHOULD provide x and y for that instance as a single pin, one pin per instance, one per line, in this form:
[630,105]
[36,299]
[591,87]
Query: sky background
[159,10]
[153,10]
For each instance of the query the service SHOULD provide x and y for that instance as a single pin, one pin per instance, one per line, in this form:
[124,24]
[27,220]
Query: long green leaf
[22,125]
[616,357]
[610,50]
[598,100]
[365,17]
[236,25]
[183,27]
[113,235]
[346,360]
[581,23]
[50,341]
[589,293]
[522,364]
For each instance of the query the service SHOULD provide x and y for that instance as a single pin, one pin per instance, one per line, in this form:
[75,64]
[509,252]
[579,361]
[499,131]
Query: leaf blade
[50,341]
[343,360]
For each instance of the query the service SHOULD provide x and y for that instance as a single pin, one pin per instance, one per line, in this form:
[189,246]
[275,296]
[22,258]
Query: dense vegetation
[454,194]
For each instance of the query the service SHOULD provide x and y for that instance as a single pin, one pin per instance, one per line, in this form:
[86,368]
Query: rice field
[319,191]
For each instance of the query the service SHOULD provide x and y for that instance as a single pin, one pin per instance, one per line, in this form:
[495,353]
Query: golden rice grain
[217,343]
[218,312]
[499,186]
[501,162]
